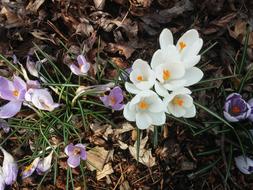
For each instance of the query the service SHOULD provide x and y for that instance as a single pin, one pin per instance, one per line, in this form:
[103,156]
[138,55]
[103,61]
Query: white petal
[156,104]
[243,164]
[192,76]
[140,64]
[192,49]
[169,55]
[131,88]
[165,38]
[158,118]
[129,114]
[45,164]
[143,120]
[188,101]
[189,38]
[175,84]
[176,110]
[190,112]
[191,62]
[182,91]
[43,100]
[161,90]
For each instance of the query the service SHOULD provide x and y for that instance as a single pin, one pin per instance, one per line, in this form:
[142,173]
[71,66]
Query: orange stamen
[236,109]
[140,78]
[166,74]
[15,93]
[143,105]
[178,101]
[112,100]
[182,46]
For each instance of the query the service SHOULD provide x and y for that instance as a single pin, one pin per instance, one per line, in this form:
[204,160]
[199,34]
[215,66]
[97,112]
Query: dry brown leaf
[12,19]
[42,36]
[220,23]
[122,49]
[33,6]
[239,32]
[107,170]
[99,4]
[125,128]
[125,186]
[96,158]
[145,155]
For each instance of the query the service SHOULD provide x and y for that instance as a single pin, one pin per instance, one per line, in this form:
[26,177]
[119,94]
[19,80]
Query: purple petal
[244,164]
[74,161]
[44,164]
[118,107]
[28,171]
[33,84]
[11,172]
[18,83]
[105,99]
[83,154]
[233,95]
[2,183]
[10,168]
[6,89]
[69,149]
[229,117]
[76,70]
[4,125]
[83,64]
[116,92]
[10,109]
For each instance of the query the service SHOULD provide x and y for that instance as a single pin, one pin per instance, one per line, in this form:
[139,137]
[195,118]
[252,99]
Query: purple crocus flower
[10,168]
[114,99]
[13,91]
[235,108]
[75,153]
[250,102]
[81,67]
[28,170]
[41,165]
[244,164]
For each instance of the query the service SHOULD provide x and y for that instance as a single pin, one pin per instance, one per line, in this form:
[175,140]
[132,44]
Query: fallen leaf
[122,49]
[239,32]
[96,158]
[12,19]
[125,186]
[107,170]
[33,6]
[145,155]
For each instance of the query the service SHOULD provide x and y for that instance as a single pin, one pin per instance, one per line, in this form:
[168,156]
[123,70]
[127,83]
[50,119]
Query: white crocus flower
[180,104]
[244,164]
[142,77]
[169,70]
[188,47]
[146,108]
[41,99]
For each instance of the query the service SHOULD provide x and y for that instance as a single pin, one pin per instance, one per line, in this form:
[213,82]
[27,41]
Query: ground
[185,153]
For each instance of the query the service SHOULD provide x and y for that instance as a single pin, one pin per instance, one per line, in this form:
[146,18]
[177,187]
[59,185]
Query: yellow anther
[143,105]
[166,74]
